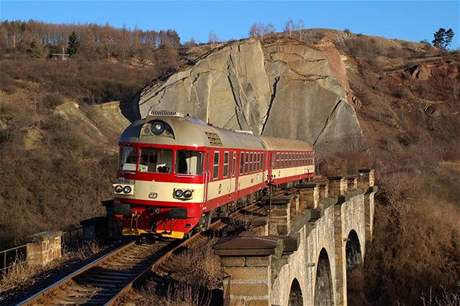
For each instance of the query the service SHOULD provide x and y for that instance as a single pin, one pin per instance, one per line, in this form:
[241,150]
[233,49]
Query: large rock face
[283,89]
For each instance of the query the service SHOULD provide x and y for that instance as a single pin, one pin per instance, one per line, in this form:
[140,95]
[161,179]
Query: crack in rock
[270,103]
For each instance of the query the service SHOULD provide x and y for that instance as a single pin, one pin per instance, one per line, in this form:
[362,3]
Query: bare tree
[300,27]
[96,41]
[289,27]
[260,30]
[213,38]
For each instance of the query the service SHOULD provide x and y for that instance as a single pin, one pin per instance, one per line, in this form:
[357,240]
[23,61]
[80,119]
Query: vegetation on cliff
[58,155]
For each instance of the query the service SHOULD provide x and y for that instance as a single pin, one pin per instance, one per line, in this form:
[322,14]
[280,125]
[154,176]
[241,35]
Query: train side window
[261,161]
[249,162]
[251,155]
[241,162]
[215,168]
[233,164]
[189,162]
[246,162]
[155,160]
[128,158]
[226,163]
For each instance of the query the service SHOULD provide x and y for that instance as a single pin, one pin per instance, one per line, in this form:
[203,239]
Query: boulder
[283,89]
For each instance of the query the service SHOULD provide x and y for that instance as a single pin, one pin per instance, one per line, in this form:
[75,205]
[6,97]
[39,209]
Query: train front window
[155,160]
[128,159]
[189,162]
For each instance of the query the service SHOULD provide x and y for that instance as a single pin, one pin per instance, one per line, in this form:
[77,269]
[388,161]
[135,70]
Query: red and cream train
[176,171]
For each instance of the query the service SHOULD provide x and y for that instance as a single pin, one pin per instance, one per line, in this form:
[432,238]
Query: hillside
[363,101]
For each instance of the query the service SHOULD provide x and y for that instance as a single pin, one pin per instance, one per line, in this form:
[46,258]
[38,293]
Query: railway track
[101,281]
[105,280]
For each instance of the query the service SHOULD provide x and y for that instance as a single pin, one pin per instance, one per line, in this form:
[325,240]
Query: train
[176,173]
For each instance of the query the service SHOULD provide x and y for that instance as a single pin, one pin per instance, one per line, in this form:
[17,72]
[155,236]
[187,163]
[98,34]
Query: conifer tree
[73,44]
[443,38]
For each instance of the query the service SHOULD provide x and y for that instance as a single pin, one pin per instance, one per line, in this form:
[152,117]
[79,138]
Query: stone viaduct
[314,238]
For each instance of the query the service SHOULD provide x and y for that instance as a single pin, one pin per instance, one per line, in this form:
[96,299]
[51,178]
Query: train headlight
[118,188]
[127,189]
[188,194]
[157,127]
[178,193]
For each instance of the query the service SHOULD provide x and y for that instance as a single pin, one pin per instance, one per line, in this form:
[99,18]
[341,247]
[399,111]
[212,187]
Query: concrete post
[280,216]
[366,178]
[260,226]
[309,195]
[352,182]
[44,248]
[337,186]
[323,189]
[369,213]
[246,262]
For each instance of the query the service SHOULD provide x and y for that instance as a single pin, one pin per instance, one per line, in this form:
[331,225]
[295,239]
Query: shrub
[50,101]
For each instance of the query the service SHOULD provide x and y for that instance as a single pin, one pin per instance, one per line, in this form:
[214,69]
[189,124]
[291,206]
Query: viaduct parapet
[315,238]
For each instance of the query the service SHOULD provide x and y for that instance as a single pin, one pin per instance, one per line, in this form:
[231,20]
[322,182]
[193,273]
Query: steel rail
[67,278]
[152,261]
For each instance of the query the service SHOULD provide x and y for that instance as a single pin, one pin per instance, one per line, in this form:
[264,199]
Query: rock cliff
[283,89]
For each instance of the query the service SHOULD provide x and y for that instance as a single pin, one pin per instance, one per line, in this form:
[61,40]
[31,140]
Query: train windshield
[189,162]
[155,160]
[128,159]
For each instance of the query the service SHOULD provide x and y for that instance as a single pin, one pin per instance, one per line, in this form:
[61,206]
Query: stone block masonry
[337,186]
[44,248]
[314,257]
[247,263]
[309,195]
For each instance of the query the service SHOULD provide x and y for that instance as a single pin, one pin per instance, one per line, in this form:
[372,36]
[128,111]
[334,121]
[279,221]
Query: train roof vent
[214,139]
[164,113]
[244,132]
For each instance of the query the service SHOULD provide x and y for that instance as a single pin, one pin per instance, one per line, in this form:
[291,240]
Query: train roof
[188,131]
[284,144]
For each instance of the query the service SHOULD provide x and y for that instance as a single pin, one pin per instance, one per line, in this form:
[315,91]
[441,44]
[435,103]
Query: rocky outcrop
[283,89]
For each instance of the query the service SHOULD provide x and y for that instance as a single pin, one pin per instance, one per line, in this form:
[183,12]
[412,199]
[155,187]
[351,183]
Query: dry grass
[21,275]
[446,299]
[191,277]
[199,264]
[416,249]
[53,174]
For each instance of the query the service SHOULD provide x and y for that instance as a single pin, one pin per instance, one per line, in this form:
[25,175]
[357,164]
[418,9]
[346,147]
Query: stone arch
[354,274]
[295,294]
[323,286]
[353,251]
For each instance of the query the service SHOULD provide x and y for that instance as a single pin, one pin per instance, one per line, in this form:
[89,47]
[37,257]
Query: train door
[233,173]
[207,175]
[227,174]
[237,169]
[269,166]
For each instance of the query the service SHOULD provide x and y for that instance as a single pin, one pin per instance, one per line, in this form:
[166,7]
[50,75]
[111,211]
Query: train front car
[175,171]
[160,185]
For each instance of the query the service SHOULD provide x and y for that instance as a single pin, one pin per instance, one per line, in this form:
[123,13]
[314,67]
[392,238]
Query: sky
[407,20]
